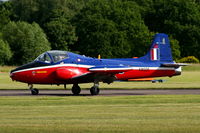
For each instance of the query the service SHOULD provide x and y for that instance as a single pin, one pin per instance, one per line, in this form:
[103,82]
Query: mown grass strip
[143,114]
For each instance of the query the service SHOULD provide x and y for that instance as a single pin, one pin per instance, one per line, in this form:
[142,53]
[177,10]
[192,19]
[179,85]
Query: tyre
[94,91]
[76,90]
[34,91]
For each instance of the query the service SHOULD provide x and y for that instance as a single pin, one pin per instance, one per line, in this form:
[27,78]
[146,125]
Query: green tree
[26,10]
[175,48]
[5,13]
[111,28]
[40,10]
[27,41]
[59,30]
[5,53]
[53,16]
[179,18]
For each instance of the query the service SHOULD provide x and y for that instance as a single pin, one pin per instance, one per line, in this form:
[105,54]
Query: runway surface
[102,92]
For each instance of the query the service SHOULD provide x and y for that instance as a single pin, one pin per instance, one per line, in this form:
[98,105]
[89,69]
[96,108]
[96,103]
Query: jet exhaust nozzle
[178,71]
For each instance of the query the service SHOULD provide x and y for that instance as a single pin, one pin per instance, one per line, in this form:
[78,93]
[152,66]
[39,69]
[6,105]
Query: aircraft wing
[102,73]
[109,69]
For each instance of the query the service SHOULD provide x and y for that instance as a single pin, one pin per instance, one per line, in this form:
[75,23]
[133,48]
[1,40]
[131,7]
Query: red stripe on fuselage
[144,74]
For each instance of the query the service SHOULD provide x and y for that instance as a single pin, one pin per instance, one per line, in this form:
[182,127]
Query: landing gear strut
[65,87]
[76,89]
[95,89]
[33,90]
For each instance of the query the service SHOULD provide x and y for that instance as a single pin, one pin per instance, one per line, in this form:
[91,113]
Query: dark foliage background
[112,28]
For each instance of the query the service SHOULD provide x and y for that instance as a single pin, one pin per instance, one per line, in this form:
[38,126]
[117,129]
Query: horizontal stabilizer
[110,69]
[176,65]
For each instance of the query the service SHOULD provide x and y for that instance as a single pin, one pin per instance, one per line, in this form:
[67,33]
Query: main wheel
[94,90]
[76,89]
[34,91]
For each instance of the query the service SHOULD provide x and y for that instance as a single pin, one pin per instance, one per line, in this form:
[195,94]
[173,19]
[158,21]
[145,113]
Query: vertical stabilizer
[160,49]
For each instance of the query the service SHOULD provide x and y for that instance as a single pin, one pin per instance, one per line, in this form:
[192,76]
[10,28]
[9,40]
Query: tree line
[112,28]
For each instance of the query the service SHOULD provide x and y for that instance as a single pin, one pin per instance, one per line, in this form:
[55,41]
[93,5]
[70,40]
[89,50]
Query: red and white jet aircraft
[62,67]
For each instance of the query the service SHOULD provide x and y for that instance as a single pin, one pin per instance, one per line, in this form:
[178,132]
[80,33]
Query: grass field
[114,114]
[139,114]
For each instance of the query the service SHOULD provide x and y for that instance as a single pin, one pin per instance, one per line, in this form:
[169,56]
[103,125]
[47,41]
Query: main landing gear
[33,90]
[93,90]
[76,89]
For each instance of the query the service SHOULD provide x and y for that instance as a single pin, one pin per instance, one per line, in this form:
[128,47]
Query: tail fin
[160,49]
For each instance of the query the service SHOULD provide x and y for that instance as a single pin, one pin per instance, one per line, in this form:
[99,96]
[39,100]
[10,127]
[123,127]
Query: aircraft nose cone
[12,75]
[11,72]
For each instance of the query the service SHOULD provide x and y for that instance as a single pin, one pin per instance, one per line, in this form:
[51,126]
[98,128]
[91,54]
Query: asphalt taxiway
[102,92]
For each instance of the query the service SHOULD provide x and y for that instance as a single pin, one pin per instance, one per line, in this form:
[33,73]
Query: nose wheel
[33,90]
[76,89]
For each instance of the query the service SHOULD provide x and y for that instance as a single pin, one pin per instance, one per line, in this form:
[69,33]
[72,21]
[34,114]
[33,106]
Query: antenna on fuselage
[99,56]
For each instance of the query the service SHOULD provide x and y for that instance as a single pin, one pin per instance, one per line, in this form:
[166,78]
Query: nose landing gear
[34,91]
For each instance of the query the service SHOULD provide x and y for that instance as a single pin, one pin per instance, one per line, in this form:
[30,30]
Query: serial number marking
[144,68]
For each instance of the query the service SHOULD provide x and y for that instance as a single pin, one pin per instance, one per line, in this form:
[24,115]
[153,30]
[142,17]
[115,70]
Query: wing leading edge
[102,73]
[110,69]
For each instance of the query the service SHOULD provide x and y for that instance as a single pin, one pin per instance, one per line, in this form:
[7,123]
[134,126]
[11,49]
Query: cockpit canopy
[52,56]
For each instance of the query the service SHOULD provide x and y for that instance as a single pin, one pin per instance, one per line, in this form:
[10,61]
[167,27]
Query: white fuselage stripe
[105,69]
[133,68]
[52,66]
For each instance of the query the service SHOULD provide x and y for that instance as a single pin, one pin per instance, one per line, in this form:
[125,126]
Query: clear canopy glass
[52,56]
